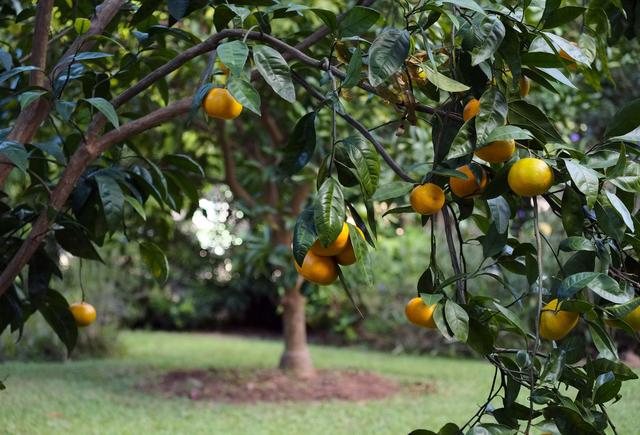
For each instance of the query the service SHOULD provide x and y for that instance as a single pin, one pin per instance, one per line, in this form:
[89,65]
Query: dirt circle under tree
[271,385]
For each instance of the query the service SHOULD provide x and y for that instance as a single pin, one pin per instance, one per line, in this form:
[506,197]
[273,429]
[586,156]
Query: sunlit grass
[100,396]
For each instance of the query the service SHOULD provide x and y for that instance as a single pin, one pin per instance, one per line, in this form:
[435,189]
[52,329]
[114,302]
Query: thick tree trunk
[295,358]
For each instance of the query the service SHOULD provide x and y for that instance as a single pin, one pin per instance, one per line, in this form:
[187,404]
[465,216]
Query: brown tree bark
[295,358]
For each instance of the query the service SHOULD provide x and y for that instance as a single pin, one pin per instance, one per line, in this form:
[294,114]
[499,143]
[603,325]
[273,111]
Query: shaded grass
[100,396]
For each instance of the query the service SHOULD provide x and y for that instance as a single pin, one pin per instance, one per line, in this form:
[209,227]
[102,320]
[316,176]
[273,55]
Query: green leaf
[112,200]
[622,209]
[442,81]
[357,20]
[245,93]
[275,71]
[599,283]
[625,120]
[15,71]
[490,33]
[301,145]
[363,265]
[184,162]
[177,8]
[74,241]
[234,56]
[156,261]
[562,16]
[55,309]
[577,243]
[457,319]
[16,153]
[329,211]
[585,179]
[353,70]
[466,4]
[493,113]
[29,97]
[500,213]
[554,366]
[630,183]
[328,18]
[387,55]
[572,215]
[392,190]
[137,207]
[606,387]
[506,132]
[364,162]
[525,115]
[105,108]
[304,235]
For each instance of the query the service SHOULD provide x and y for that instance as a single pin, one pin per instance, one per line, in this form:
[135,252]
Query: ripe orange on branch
[555,324]
[470,186]
[427,199]
[471,109]
[219,103]
[335,247]
[420,314]
[317,269]
[348,256]
[497,152]
[530,177]
[83,313]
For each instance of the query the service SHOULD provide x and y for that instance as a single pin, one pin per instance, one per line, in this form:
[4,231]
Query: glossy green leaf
[387,55]
[275,71]
[105,108]
[622,209]
[233,55]
[490,32]
[55,309]
[585,179]
[329,211]
[16,153]
[357,21]
[245,93]
[625,120]
[304,235]
[457,319]
[112,200]
[530,117]
[156,261]
[301,145]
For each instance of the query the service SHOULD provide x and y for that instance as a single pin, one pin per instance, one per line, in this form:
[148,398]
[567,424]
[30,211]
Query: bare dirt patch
[250,386]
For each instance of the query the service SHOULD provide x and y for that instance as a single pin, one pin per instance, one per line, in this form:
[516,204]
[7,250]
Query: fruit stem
[453,255]
[536,344]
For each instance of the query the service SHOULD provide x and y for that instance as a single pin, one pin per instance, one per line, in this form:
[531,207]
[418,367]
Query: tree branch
[39,44]
[75,168]
[358,126]
[29,119]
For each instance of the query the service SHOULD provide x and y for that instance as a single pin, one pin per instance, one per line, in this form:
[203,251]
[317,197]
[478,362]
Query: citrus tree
[82,86]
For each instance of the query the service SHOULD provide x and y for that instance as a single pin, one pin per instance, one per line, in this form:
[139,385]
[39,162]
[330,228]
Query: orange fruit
[317,269]
[348,256]
[83,313]
[471,109]
[420,314]
[335,247]
[633,319]
[530,177]
[556,324]
[427,199]
[525,86]
[219,103]
[497,152]
[469,187]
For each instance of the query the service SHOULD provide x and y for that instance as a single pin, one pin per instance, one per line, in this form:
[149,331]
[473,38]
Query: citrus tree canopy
[463,83]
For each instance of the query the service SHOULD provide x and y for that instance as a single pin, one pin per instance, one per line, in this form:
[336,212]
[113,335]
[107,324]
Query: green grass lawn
[99,396]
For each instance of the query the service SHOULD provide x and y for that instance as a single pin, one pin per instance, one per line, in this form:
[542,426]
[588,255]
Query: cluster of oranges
[555,324]
[527,177]
[320,265]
